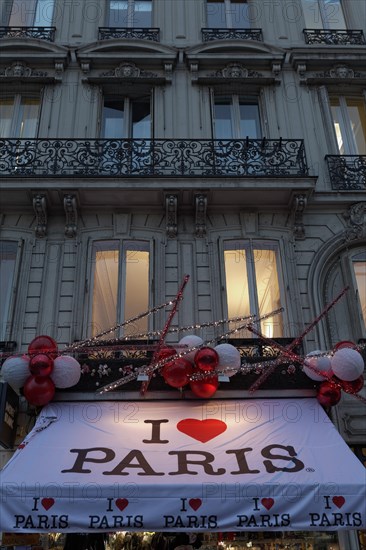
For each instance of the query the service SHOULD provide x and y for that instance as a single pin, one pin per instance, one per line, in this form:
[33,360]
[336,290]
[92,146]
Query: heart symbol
[121,503]
[195,503]
[267,503]
[47,503]
[202,430]
[339,501]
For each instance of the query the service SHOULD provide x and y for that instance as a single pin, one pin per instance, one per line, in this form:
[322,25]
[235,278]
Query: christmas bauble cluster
[343,370]
[41,371]
[200,367]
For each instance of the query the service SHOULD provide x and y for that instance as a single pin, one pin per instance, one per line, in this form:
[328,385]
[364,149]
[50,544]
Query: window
[8,254]
[126,118]
[349,118]
[121,285]
[252,283]
[31,13]
[130,13]
[236,117]
[323,14]
[19,117]
[359,270]
[231,14]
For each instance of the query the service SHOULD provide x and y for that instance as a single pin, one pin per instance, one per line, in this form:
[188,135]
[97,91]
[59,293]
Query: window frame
[348,136]
[17,114]
[127,124]
[229,13]
[252,99]
[324,17]
[131,5]
[8,315]
[33,14]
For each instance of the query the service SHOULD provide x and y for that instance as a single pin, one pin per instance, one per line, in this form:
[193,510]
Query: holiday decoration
[15,371]
[204,388]
[39,390]
[177,373]
[41,365]
[229,359]
[206,359]
[347,364]
[344,344]
[66,372]
[328,394]
[317,363]
[43,344]
[190,341]
[353,386]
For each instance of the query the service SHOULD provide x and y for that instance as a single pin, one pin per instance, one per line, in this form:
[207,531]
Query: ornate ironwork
[107,33]
[151,158]
[347,172]
[337,37]
[43,33]
[231,34]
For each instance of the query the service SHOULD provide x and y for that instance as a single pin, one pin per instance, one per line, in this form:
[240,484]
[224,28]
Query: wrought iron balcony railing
[107,33]
[334,37]
[43,33]
[347,172]
[231,34]
[152,158]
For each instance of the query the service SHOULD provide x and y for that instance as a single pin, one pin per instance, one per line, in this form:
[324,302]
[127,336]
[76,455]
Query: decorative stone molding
[276,69]
[85,66]
[301,71]
[236,70]
[355,217]
[299,204]
[168,68]
[70,207]
[18,69]
[40,209]
[200,209]
[194,71]
[354,424]
[171,213]
[128,70]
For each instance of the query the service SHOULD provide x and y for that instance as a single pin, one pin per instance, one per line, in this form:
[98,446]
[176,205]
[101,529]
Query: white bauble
[66,372]
[320,363]
[190,341]
[229,359]
[347,364]
[15,371]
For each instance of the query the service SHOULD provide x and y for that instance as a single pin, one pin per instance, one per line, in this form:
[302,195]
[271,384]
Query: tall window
[349,117]
[130,13]
[359,270]
[121,285]
[19,116]
[8,253]
[252,283]
[31,13]
[323,14]
[125,117]
[231,14]
[236,117]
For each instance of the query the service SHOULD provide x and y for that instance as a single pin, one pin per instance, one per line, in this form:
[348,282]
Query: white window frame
[17,114]
[352,259]
[228,23]
[38,17]
[131,10]
[127,126]
[236,101]
[349,141]
[7,310]
[321,9]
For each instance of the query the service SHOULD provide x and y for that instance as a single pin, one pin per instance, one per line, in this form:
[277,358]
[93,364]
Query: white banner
[184,465]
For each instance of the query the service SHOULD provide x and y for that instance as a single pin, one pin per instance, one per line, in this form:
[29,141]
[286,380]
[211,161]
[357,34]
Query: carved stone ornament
[70,207]
[171,208]
[299,205]
[128,70]
[236,70]
[40,209]
[201,208]
[340,72]
[18,69]
[355,217]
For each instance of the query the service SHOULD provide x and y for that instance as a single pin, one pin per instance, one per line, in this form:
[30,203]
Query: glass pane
[332,14]
[238,13]
[357,116]
[338,125]
[223,125]
[268,291]
[113,119]
[44,13]
[236,276]
[141,119]
[216,17]
[137,287]
[359,266]
[6,116]
[105,287]
[22,13]
[311,13]
[142,13]
[8,252]
[249,121]
[27,123]
[118,13]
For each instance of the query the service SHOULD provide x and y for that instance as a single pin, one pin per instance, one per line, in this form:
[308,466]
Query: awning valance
[229,465]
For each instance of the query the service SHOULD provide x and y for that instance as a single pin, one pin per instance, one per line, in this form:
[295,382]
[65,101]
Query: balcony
[334,37]
[347,172]
[231,34]
[152,158]
[107,33]
[41,33]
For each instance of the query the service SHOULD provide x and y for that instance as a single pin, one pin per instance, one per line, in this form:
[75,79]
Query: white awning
[268,464]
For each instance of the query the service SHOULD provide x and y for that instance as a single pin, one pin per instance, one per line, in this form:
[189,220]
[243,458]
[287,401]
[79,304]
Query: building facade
[143,140]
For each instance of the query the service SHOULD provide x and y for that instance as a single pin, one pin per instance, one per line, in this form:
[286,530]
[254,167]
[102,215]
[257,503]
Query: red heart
[121,503]
[267,503]
[202,430]
[339,501]
[47,503]
[195,503]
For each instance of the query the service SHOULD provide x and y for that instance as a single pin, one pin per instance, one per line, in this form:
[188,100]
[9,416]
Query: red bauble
[352,387]
[205,388]
[41,365]
[177,373]
[206,359]
[43,344]
[344,344]
[39,390]
[328,394]
[164,353]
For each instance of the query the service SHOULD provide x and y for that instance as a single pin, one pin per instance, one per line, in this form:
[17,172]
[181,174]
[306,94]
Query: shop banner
[230,465]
